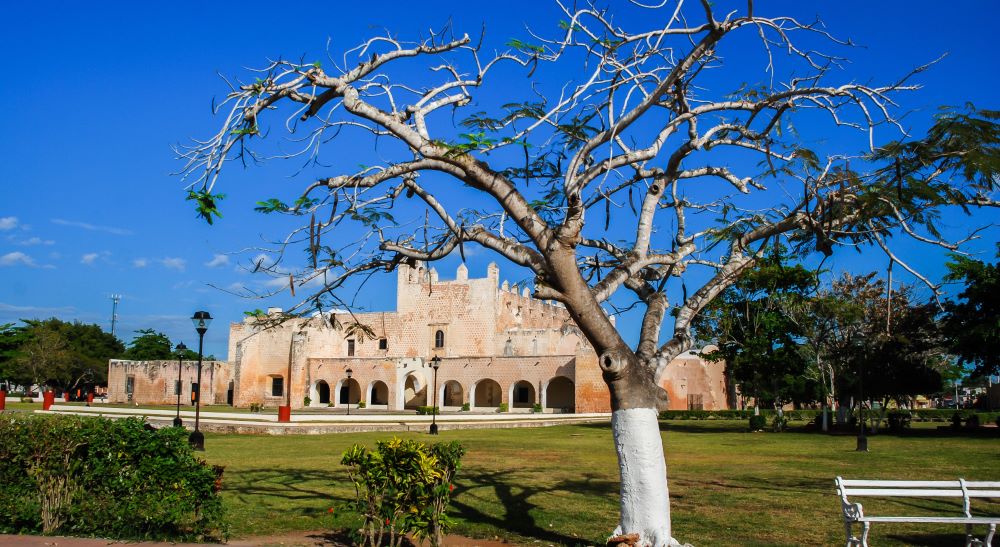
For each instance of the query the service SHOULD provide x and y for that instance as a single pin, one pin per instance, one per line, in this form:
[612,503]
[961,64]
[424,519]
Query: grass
[559,485]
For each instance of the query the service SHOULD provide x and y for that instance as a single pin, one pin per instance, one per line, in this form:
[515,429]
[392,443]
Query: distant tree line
[68,356]
[785,339]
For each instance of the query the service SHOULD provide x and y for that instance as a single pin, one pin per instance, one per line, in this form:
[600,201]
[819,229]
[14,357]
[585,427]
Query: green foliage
[465,407]
[272,205]
[972,323]
[402,487]
[899,420]
[114,478]
[502,408]
[536,408]
[428,410]
[306,401]
[362,404]
[64,355]
[206,203]
[149,345]
[525,47]
[758,423]
[757,336]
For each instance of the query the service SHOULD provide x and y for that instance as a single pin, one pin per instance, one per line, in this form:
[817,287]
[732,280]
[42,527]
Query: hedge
[918,415]
[115,479]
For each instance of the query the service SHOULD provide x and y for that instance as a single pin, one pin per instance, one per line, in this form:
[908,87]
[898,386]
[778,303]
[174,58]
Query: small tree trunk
[645,503]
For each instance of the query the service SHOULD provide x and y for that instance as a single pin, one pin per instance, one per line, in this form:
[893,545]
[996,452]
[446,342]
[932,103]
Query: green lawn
[558,485]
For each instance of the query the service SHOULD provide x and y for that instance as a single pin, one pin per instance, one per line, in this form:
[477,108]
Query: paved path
[318,422]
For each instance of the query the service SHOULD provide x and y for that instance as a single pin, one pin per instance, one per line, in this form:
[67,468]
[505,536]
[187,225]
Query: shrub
[502,408]
[536,408]
[428,410]
[758,423]
[898,420]
[118,479]
[361,404]
[465,407]
[972,422]
[307,400]
[403,487]
[256,407]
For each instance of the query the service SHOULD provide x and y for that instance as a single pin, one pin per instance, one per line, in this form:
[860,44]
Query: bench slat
[918,492]
[919,484]
[943,520]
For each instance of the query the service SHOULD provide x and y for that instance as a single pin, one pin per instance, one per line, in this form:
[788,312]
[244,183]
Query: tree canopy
[973,320]
[620,166]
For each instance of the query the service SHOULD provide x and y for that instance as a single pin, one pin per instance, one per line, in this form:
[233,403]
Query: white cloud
[140,263]
[10,308]
[92,227]
[36,241]
[17,258]
[174,263]
[218,260]
[8,223]
[89,258]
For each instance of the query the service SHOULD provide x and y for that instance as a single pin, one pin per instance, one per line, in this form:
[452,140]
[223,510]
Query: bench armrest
[852,511]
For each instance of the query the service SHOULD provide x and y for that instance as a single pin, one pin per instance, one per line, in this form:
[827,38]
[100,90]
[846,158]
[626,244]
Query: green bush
[117,479]
[361,404]
[428,410]
[758,423]
[465,407]
[536,408]
[307,400]
[502,408]
[898,420]
[403,487]
[256,407]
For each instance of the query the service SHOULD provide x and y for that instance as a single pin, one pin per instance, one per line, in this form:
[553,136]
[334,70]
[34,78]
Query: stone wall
[153,381]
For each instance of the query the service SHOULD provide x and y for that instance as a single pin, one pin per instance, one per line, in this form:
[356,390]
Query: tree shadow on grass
[287,484]
[928,540]
[516,499]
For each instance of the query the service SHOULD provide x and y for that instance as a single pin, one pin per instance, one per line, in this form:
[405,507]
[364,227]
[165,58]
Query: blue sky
[96,93]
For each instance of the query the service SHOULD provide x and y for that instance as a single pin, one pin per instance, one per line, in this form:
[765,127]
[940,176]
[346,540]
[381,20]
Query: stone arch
[321,394]
[452,394]
[348,392]
[486,393]
[521,394]
[413,391]
[377,394]
[559,395]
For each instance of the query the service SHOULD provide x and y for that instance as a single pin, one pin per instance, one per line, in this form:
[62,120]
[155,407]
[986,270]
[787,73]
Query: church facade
[495,346]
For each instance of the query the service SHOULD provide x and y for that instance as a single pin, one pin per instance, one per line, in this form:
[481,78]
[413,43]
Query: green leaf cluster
[403,487]
[206,203]
[117,479]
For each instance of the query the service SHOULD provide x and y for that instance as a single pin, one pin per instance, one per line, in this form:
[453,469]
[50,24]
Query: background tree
[150,345]
[972,322]
[757,337]
[530,152]
[66,355]
[11,339]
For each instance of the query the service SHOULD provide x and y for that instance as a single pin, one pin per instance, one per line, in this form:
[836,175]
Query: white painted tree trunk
[645,503]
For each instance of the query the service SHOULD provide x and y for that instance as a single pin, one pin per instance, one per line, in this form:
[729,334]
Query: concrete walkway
[312,422]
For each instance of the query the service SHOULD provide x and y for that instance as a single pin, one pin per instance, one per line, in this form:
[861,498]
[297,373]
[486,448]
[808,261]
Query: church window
[350,348]
[439,339]
[277,386]
[383,343]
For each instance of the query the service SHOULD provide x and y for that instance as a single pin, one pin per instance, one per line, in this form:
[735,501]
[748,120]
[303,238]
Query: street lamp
[349,373]
[435,363]
[201,320]
[180,349]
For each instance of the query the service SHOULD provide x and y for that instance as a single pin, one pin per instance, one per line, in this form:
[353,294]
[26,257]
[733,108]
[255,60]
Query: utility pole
[115,298]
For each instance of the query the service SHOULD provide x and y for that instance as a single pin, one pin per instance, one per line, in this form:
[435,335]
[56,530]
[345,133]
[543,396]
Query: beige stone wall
[154,381]
[492,330]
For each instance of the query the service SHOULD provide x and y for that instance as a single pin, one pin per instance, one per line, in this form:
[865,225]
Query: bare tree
[671,172]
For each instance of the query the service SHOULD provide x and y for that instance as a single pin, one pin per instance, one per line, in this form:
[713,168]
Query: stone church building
[496,345]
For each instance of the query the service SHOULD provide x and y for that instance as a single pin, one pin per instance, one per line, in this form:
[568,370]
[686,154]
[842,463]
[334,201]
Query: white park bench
[966,490]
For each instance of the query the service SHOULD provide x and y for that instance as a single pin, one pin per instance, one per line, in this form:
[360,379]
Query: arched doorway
[378,394]
[560,395]
[452,394]
[322,393]
[349,392]
[486,394]
[522,395]
[414,393]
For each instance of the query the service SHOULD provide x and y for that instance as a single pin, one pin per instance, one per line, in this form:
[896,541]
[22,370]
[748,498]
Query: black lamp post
[435,363]
[180,349]
[201,320]
[862,437]
[349,373]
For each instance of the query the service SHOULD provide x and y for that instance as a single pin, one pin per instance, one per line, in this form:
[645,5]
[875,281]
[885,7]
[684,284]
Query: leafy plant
[502,408]
[758,423]
[401,487]
[465,407]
